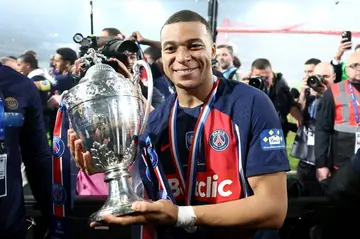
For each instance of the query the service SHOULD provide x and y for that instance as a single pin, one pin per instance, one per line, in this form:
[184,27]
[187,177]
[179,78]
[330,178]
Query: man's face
[105,33]
[149,58]
[12,64]
[309,70]
[353,67]
[326,72]
[23,67]
[131,59]
[357,50]
[187,51]
[224,58]
[59,64]
[267,73]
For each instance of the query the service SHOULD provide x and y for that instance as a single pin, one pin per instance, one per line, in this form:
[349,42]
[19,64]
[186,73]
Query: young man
[223,134]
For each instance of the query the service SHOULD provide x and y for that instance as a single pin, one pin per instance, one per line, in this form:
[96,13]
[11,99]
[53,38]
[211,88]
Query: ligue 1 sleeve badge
[219,140]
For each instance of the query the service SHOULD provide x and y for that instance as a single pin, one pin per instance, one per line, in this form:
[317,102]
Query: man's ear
[213,51]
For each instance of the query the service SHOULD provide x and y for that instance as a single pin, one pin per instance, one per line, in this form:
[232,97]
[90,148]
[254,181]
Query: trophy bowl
[108,113]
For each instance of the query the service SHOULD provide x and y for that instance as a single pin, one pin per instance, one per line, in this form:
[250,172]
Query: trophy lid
[100,81]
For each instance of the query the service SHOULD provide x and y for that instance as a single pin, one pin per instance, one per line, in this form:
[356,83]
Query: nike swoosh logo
[164,147]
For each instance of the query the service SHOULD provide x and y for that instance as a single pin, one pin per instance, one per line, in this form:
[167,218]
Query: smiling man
[217,144]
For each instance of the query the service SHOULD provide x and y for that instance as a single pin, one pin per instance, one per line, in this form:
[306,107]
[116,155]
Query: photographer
[323,76]
[275,86]
[309,68]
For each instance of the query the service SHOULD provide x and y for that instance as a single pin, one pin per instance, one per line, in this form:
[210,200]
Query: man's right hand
[344,46]
[322,173]
[82,160]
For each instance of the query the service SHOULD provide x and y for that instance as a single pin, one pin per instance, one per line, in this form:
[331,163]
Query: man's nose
[183,55]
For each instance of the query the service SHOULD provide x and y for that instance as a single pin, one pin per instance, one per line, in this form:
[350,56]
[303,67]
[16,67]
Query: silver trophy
[108,113]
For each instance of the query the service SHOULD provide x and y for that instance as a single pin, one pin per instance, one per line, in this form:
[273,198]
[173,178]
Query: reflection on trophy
[108,113]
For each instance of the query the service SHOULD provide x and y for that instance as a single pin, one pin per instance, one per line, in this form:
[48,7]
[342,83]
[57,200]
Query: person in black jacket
[27,144]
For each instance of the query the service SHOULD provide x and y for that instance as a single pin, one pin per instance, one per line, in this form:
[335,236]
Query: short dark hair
[312,61]
[153,52]
[30,59]
[31,52]
[230,48]
[113,32]
[357,47]
[237,62]
[188,16]
[67,54]
[261,64]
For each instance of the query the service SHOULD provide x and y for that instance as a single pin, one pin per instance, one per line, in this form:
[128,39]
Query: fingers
[87,164]
[78,154]
[123,220]
[147,206]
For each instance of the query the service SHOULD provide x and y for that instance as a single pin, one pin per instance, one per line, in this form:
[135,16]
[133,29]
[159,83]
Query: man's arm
[35,150]
[324,128]
[251,212]
[265,170]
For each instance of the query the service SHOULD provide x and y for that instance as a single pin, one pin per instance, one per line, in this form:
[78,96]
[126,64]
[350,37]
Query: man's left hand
[162,212]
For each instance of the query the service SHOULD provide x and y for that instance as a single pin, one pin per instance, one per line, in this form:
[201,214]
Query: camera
[258,82]
[315,81]
[109,47]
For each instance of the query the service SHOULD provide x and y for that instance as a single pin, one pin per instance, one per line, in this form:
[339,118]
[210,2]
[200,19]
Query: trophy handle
[150,85]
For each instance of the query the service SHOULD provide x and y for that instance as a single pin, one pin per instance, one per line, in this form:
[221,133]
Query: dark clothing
[306,172]
[44,96]
[327,152]
[27,144]
[282,99]
[338,72]
[63,82]
[241,126]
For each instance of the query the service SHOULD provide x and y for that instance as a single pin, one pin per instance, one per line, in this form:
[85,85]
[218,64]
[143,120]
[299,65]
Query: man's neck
[194,97]
[223,70]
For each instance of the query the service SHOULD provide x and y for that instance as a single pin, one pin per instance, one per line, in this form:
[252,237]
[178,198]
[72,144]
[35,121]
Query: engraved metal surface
[108,113]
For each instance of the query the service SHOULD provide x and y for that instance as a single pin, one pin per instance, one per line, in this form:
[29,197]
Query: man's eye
[196,45]
[170,48]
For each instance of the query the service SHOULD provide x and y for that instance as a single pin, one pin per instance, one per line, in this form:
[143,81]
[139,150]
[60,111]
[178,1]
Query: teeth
[185,71]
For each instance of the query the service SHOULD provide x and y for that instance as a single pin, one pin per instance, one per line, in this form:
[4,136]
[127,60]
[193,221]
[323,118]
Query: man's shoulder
[12,82]
[159,116]
[239,94]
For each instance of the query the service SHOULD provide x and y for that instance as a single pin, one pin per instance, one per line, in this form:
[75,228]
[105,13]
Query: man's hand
[304,83]
[82,160]
[320,90]
[136,36]
[122,68]
[54,101]
[162,212]
[322,173]
[344,46]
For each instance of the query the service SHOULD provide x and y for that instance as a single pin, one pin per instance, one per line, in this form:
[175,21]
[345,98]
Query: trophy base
[120,198]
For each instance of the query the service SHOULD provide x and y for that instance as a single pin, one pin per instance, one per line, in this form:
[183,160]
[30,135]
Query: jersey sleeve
[267,146]
[35,149]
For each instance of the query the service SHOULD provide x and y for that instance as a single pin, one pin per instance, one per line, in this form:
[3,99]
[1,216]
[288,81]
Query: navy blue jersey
[242,137]
[27,143]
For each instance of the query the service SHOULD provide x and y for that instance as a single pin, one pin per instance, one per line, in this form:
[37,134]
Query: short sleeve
[266,144]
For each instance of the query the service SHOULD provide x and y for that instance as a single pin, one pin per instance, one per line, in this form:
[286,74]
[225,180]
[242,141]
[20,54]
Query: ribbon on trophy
[62,196]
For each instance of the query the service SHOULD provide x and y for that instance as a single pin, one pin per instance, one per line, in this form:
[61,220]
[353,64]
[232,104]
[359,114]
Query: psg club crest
[188,139]
[59,194]
[58,147]
[219,140]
